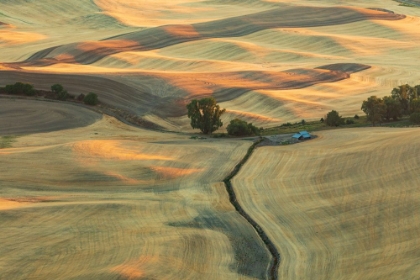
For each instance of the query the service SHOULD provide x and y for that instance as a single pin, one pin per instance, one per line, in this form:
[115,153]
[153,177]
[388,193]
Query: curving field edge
[275,262]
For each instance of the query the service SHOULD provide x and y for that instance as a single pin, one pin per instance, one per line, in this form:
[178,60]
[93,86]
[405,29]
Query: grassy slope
[341,206]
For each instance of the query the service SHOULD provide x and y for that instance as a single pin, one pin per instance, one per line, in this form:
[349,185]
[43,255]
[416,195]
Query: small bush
[219,135]
[80,97]
[238,127]
[321,120]
[349,121]
[62,95]
[334,119]
[356,117]
[91,99]
[415,118]
[57,88]
[302,122]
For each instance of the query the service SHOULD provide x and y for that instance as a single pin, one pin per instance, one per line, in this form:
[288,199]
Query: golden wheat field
[108,201]
[342,206]
[266,61]
[86,196]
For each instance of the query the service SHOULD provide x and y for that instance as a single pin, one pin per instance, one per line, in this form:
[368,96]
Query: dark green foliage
[415,118]
[80,97]
[205,114]
[91,99]
[321,120]
[334,119]
[238,127]
[415,106]
[20,88]
[60,92]
[356,117]
[62,95]
[57,88]
[392,108]
[349,121]
[286,124]
[405,94]
[303,122]
[374,109]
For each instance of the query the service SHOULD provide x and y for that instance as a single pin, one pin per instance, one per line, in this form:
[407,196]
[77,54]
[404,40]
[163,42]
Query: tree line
[403,101]
[57,92]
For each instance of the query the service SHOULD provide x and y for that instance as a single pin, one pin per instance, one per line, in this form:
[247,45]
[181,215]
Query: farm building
[302,135]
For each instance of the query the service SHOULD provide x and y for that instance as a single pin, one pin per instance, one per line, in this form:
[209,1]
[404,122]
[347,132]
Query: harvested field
[84,196]
[342,206]
[109,201]
[27,116]
[268,62]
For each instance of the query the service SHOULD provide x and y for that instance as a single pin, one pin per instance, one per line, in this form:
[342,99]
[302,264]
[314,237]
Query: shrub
[302,122]
[334,119]
[356,117]
[238,127]
[62,95]
[415,118]
[349,121]
[80,97]
[91,99]
[57,88]
[321,120]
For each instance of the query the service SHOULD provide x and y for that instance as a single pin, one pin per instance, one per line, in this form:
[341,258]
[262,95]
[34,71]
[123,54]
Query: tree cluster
[404,100]
[20,89]
[205,115]
[238,127]
[57,92]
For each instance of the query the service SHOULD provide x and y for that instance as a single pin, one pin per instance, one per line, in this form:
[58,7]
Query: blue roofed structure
[302,135]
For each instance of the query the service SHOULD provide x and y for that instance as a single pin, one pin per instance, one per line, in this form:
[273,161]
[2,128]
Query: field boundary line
[275,262]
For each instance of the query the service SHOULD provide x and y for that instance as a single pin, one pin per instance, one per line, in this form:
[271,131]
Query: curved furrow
[34,117]
[164,36]
[113,201]
[331,204]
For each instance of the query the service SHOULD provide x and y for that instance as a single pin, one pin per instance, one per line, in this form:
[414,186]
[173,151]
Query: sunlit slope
[342,206]
[110,201]
[164,54]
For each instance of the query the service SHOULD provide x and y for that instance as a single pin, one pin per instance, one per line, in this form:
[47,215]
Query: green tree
[238,127]
[374,109]
[57,88]
[91,99]
[334,119]
[392,108]
[415,118]
[205,114]
[405,94]
[415,106]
